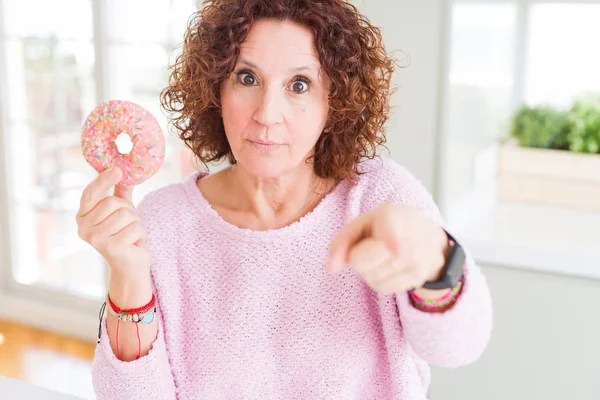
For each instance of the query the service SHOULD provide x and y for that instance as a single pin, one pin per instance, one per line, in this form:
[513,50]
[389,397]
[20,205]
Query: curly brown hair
[351,53]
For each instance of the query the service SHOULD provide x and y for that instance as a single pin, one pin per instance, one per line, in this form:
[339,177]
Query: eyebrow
[294,70]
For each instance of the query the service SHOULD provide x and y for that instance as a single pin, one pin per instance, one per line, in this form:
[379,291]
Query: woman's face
[275,103]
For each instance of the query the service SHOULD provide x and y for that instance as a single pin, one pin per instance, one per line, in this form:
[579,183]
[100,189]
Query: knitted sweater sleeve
[459,335]
[148,377]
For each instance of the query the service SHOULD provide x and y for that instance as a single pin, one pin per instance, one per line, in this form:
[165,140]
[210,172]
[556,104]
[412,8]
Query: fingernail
[396,251]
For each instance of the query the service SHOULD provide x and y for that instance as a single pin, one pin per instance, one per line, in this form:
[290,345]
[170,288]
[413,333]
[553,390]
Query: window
[562,63]
[478,96]
[56,71]
[501,55]
[50,76]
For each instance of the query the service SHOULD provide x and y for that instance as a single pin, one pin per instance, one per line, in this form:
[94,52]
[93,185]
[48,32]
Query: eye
[246,78]
[300,85]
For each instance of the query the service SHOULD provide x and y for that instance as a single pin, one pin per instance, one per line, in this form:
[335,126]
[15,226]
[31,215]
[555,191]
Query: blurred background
[497,113]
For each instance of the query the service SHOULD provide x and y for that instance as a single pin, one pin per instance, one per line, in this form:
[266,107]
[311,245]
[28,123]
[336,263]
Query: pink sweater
[254,315]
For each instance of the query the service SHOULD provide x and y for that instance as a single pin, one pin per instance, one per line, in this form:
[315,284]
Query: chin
[266,167]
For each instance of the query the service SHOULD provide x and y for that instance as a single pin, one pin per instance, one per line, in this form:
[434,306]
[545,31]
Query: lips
[263,142]
[265,146]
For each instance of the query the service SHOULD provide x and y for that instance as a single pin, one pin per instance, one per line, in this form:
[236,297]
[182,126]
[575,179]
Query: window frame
[33,304]
[562,261]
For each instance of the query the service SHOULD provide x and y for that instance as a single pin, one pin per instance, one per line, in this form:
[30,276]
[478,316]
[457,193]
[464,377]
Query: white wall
[412,28]
[545,343]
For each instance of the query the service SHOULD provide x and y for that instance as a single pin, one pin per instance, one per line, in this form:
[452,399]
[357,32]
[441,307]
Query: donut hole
[124,143]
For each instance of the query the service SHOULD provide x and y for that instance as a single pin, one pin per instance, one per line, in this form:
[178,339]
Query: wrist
[449,266]
[129,293]
[444,251]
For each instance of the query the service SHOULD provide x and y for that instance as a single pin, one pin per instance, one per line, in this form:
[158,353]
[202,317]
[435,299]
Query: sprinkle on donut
[123,120]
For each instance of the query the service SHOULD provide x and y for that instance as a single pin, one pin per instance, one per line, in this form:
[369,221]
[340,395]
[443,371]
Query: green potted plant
[541,127]
[552,156]
[584,135]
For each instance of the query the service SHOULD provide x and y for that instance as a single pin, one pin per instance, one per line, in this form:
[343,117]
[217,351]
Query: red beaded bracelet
[130,315]
[132,310]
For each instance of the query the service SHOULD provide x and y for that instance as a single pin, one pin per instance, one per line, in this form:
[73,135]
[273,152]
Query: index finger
[124,192]
[345,239]
[98,189]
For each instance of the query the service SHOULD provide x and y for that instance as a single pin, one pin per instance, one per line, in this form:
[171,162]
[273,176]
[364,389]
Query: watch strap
[453,268]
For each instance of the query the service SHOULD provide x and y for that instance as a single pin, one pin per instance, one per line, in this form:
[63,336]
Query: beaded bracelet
[144,314]
[437,305]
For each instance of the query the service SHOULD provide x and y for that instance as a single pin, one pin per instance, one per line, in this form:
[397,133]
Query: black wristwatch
[453,269]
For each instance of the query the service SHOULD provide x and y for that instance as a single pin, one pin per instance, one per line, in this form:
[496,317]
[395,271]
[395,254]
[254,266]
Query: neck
[277,200]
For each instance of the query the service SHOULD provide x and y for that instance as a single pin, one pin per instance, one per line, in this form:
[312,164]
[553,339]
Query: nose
[270,108]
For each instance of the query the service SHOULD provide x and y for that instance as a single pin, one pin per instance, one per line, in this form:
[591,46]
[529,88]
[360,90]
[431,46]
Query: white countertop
[543,239]
[12,389]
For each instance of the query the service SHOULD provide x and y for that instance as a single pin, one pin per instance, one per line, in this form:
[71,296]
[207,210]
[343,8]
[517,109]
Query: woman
[298,272]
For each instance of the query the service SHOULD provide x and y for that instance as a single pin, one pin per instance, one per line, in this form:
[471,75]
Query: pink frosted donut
[116,125]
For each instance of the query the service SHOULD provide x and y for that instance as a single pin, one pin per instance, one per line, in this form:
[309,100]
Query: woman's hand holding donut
[113,227]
